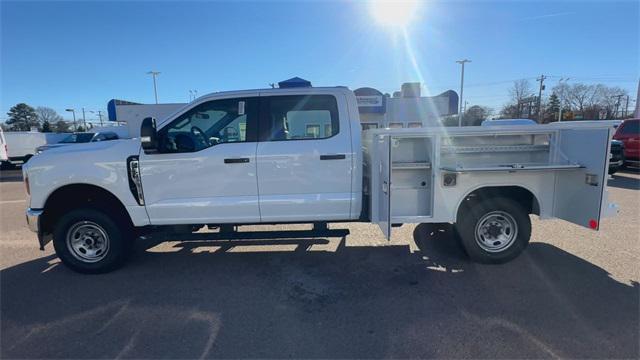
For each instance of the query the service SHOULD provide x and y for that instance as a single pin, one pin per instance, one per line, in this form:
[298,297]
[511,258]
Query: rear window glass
[630,127]
[302,117]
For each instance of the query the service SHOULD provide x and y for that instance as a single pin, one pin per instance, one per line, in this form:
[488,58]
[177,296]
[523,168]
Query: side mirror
[148,135]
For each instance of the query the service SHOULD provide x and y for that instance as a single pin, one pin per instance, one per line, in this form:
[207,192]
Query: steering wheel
[200,135]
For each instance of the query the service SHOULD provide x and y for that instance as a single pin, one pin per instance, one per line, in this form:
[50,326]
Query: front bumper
[33,219]
[616,163]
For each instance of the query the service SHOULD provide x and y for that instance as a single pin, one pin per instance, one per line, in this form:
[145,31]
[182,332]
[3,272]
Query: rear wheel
[89,241]
[494,231]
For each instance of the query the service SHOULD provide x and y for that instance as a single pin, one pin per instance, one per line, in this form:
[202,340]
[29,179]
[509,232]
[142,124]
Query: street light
[461,62]
[561,97]
[75,126]
[155,89]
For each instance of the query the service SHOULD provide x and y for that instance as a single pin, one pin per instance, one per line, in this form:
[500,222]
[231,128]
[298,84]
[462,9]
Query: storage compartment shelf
[410,165]
[513,167]
[492,148]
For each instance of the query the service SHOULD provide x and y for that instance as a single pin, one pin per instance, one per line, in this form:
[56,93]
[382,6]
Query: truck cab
[255,157]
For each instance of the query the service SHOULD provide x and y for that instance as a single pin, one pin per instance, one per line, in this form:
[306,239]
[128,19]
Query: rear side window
[300,117]
[630,127]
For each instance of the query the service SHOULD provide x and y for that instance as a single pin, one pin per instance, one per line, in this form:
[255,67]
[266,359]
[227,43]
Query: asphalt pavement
[350,294]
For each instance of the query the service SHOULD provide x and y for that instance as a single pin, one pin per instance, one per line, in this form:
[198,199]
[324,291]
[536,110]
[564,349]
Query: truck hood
[102,164]
[86,153]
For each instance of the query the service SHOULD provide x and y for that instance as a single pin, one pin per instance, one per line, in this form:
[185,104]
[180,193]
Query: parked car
[629,133]
[79,138]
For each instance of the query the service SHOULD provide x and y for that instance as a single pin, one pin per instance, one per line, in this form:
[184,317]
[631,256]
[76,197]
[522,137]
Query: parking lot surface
[351,294]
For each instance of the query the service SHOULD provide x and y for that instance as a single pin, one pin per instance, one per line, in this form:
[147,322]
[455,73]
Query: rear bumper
[33,219]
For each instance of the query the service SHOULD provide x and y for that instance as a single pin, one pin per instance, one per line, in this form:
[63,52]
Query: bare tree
[47,114]
[588,100]
[521,89]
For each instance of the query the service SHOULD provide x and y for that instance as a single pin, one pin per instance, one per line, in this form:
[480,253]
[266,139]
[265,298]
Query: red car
[629,133]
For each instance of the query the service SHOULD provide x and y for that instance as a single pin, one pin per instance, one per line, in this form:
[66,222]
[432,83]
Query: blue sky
[75,54]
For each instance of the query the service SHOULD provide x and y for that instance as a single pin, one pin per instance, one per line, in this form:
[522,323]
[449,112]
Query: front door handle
[236,160]
[333,157]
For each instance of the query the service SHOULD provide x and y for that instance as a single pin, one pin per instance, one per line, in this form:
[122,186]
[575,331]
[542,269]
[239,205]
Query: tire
[101,244]
[494,231]
[613,169]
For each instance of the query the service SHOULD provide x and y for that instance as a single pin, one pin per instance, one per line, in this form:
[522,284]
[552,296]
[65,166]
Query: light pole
[84,120]
[561,97]
[155,89]
[461,62]
[75,126]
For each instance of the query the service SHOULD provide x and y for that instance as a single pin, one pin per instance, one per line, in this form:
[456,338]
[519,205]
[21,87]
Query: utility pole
[626,107]
[461,62]
[99,112]
[617,104]
[84,120]
[541,79]
[155,89]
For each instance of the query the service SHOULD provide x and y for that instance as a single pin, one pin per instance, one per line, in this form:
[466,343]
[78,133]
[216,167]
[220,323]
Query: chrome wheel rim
[496,231]
[87,241]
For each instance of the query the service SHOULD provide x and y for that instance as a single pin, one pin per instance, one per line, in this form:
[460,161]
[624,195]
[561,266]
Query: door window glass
[208,124]
[301,117]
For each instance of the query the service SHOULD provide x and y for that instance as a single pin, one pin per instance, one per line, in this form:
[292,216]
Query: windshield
[77,138]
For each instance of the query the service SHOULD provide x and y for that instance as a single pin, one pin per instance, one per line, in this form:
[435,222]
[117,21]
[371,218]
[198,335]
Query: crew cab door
[579,194]
[305,159]
[205,169]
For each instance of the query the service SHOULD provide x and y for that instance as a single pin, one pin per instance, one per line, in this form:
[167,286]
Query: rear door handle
[236,160]
[333,157]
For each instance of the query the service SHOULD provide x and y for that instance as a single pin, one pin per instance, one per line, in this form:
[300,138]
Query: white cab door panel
[205,170]
[192,188]
[304,166]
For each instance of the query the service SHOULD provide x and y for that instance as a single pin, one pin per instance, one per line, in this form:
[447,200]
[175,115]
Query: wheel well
[522,196]
[74,196]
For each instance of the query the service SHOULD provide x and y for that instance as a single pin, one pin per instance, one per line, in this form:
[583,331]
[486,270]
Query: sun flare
[396,14]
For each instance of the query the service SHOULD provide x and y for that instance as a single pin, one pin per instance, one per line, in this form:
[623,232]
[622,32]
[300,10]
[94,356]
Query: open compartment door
[384,198]
[579,193]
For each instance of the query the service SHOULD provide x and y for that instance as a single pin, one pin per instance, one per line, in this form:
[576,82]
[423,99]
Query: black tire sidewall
[118,248]
[466,226]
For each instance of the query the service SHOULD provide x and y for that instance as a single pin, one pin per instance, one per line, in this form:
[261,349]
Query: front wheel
[89,241]
[494,231]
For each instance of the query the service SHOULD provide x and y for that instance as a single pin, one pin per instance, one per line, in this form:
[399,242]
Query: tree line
[567,102]
[23,117]
[576,101]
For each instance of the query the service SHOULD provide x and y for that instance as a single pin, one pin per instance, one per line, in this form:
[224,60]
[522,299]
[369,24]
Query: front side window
[300,117]
[208,124]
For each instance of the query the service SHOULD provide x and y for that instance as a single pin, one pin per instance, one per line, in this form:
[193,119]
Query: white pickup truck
[298,156]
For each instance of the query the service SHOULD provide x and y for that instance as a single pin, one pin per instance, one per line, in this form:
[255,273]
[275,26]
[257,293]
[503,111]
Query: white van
[4,156]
